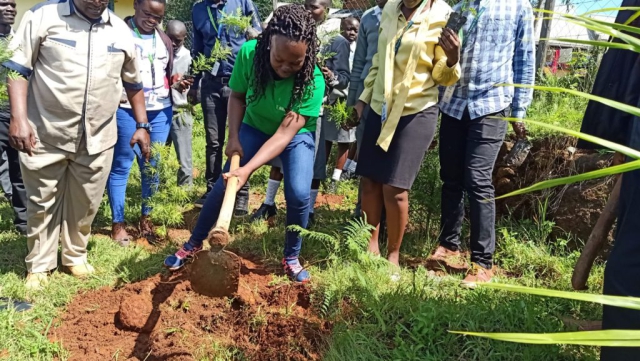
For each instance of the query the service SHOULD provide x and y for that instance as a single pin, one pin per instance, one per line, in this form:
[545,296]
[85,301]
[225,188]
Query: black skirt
[399,166]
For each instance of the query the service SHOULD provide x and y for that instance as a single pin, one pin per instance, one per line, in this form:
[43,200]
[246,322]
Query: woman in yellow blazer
[415,55]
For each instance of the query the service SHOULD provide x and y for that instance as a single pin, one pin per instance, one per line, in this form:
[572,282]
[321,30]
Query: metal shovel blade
[518,153]
[215,273]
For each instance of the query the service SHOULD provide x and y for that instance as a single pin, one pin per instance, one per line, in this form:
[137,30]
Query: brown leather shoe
[442,254]
[119,234]
[477,274]
[147,230]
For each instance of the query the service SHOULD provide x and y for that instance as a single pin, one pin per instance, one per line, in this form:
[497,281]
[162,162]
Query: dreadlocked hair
[296,24]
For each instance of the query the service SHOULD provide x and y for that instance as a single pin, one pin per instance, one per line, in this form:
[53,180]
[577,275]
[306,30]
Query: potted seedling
[325,40]
[239,24]
[342,115]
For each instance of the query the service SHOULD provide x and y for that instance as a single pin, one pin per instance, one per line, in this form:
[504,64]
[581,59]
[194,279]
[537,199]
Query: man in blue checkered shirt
[498,48]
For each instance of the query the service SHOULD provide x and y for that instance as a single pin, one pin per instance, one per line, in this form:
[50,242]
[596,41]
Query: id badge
[383,116]
[153,99]
[448,94]
[216,67]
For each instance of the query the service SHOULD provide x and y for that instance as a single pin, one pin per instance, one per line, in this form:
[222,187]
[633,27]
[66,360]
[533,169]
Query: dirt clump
[135,311]
[574,208]
[162,318]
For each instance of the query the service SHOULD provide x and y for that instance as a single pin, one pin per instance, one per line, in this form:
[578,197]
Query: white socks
[336,174]
[312,202]
[272,190]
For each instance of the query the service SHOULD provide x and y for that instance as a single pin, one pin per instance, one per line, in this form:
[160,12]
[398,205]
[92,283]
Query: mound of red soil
[161,318]
[574,208]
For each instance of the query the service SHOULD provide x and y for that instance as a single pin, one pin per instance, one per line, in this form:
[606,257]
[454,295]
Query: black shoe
[312,220]
[200,202]
[242,206]
[264,212]
[332,188]
[347,175]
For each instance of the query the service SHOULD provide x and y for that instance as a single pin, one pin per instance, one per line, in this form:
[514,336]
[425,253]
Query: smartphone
[456,22]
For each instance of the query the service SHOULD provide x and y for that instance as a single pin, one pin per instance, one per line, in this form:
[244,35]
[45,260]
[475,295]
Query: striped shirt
[500,50]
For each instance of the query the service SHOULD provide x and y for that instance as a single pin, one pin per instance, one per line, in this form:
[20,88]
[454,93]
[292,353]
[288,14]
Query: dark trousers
[468,152]
[19,194]
[214,96]
[623,265]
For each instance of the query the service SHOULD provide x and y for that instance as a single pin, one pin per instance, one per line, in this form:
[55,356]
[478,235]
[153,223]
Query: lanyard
[410,24]
[151,57]
[473,26]
[215,27]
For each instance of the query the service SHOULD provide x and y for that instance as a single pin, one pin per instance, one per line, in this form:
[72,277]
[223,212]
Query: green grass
[374,319]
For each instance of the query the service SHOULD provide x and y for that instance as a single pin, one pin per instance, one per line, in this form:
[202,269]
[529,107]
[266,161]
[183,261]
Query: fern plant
[341,114]
[203,64]
[325,39]
[237,22]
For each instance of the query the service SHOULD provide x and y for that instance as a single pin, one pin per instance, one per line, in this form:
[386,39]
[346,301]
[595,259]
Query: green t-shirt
[267,112]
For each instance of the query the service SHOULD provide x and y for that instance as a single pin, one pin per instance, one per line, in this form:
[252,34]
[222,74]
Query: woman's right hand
[360,108]
[233,147]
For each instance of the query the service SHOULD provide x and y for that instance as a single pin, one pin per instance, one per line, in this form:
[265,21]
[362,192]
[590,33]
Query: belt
[224,80]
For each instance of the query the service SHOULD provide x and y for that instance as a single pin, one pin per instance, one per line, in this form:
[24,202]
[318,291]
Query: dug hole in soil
[574,208]
[162,318]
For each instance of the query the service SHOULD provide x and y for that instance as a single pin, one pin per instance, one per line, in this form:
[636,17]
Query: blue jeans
[297,164]
[123,160]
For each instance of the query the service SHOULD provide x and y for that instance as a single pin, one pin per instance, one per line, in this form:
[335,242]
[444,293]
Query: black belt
[224,80]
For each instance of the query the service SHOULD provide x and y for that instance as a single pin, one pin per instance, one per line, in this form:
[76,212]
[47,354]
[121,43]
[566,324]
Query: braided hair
[296,24]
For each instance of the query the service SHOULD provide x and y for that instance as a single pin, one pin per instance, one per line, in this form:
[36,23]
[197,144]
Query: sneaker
[180,258]
[242,206]
[200,202]
[477,274]
[332,188]
[295,271]
[36,281]
[346,175]
[442,254]
[81,270]
[265,212]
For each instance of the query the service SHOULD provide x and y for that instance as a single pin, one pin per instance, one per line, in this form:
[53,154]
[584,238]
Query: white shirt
[159,88]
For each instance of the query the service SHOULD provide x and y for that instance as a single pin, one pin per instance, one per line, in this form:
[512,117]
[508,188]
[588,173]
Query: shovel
[518,153]
[216,272]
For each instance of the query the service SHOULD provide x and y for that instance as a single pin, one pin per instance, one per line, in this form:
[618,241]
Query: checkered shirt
[500,50]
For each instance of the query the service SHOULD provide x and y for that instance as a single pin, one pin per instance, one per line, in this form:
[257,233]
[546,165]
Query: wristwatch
[145,126]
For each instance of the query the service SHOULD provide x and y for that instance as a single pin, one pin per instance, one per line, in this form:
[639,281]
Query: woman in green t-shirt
[276,96]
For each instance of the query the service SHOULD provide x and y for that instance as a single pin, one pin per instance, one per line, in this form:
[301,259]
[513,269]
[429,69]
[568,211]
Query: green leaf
[623,168]
[612,103]
[616,338]
[604,44]
[617,301]
[590,138]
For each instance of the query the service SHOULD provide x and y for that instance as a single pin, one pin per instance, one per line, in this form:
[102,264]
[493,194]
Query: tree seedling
[341,114]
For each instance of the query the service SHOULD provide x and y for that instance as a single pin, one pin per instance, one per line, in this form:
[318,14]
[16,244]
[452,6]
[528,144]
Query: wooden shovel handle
[597,239]
[226,211]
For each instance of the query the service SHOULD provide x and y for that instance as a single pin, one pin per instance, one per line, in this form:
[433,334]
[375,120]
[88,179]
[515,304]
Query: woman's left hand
[450,43]
[241,173]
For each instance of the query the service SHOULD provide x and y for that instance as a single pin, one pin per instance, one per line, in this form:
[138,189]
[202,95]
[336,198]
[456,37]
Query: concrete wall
[122,8]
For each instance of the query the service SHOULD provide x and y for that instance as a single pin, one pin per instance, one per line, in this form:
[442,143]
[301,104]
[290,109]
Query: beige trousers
[64,191]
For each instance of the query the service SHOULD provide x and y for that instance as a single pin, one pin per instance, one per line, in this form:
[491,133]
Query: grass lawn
[373,318]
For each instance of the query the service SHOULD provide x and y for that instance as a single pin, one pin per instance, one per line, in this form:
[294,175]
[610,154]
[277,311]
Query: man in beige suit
[73,58]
